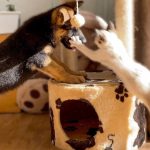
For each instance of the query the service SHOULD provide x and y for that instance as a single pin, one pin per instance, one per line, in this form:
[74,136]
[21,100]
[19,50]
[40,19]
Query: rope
[77,6]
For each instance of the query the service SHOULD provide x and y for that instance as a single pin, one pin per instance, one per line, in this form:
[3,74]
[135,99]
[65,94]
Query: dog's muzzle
[74,34]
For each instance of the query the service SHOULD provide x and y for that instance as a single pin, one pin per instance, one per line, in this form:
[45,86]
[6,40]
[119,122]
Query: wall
[103,8]
[28,8]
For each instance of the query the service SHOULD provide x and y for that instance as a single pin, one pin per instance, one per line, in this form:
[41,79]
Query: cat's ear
[111,27]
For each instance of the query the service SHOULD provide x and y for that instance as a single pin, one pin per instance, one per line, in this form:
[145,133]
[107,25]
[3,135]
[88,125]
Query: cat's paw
[106,38]
[110,44]
[100,39]
[76,44]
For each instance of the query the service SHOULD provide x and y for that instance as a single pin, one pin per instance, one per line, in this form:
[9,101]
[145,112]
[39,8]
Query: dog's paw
[78,73]
[76,79]
[81,73]
[72,79]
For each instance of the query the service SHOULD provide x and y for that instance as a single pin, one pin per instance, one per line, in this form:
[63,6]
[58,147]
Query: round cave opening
[79,119]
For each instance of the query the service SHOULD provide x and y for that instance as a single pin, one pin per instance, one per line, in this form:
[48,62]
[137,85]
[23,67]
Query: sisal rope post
[124,12]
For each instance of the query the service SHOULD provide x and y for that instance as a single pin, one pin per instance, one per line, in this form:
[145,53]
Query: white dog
[112,53]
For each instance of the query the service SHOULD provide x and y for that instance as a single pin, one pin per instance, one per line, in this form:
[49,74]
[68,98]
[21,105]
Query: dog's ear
[111,26]
[61,15]
[66,14]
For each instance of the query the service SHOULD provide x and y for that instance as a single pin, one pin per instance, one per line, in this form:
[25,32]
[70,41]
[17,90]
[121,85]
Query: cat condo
[97,115]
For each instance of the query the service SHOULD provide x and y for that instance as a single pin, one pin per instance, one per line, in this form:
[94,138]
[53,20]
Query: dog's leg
[44,63]
[78,73]
[58,72]
[39,60]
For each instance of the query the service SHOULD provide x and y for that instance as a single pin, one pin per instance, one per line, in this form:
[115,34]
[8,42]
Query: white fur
[112,53]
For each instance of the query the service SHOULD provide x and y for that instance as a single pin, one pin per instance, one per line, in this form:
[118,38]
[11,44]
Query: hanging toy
[78,20]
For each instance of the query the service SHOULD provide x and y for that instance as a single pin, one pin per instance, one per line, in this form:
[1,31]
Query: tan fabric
[118,128]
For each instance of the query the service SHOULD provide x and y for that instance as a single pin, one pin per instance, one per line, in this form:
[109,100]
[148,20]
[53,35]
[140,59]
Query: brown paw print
[121,92]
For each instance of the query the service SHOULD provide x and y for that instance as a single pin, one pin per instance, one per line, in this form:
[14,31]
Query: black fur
[24,48]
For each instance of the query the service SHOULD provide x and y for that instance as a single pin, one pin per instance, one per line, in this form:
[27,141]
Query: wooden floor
[27,132]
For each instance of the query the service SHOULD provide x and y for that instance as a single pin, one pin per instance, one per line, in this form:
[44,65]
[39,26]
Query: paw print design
[32,96]
[121,92]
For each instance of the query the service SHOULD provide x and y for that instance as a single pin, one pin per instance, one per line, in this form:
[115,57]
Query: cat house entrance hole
[79,119]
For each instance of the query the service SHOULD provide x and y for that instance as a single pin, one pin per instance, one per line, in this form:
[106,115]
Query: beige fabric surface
[117,116]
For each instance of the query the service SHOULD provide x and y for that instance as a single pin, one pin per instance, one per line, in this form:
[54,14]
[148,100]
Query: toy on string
[78,20]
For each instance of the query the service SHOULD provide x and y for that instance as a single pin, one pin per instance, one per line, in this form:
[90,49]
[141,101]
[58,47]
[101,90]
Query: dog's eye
[66,27]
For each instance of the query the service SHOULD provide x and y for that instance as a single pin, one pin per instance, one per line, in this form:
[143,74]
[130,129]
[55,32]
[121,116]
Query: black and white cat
[112,53]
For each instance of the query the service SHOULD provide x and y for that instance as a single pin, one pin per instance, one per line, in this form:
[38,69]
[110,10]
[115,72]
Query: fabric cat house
[97,115]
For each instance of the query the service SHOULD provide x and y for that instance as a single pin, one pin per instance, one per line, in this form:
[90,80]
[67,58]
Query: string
[77,5]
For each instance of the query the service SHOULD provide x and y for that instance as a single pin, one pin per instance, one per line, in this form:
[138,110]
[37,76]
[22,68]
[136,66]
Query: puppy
[112,53]
[30,48]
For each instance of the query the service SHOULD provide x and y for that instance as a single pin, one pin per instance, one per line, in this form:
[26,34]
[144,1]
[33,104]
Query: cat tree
[100,114]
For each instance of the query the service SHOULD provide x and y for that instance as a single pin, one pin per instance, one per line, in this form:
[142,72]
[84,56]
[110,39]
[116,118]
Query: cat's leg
[112,53]
[105,42]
